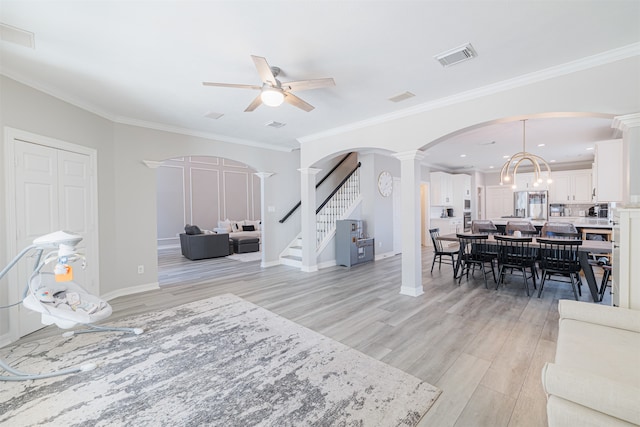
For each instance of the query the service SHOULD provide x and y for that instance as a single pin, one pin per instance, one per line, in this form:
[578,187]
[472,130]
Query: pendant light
[508,174]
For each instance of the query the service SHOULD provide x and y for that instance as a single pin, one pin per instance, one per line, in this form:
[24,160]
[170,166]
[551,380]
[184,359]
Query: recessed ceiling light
[490,167]
[589,148]
[505,157]
[552,161]
[213,115]
[540,145]
[401,97]
[463,155]
[276,125]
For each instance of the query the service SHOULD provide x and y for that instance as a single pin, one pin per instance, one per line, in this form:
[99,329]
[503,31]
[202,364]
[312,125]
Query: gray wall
[127,187]
[27,109]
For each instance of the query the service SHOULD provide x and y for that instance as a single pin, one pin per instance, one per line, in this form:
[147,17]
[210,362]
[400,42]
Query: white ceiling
[143,62]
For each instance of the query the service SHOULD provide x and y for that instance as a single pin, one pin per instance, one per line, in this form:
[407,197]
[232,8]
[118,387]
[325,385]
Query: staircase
[338,206]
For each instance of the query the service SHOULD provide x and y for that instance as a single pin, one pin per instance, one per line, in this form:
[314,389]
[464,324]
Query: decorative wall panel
[202,190]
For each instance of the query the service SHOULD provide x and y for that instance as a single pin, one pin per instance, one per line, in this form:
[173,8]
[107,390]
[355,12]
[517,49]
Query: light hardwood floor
[483,348]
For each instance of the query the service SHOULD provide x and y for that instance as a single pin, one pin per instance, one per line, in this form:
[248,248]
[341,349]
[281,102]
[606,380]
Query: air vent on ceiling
[456,55]
[401,97]
[213,115]
[16,35]
[275,124]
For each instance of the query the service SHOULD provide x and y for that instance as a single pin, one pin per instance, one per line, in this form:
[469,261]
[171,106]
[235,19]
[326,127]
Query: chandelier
[507,175]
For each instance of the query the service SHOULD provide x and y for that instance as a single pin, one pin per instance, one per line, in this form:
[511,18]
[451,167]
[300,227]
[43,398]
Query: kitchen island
[579,222]
[588,226]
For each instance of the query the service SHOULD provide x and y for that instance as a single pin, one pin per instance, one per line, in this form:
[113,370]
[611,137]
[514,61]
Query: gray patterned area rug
[220,362]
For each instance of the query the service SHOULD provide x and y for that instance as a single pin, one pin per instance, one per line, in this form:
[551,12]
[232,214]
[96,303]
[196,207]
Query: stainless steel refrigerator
[531,204]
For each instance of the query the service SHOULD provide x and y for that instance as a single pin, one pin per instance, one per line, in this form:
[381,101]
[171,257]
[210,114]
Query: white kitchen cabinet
[527,182]
[499,201]
[462,186]
[571,187]
[441,189]
[626,253]
[461,192]
[608,171]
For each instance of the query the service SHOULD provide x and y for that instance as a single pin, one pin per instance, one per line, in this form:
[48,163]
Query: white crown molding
[199,134]
[56,94]
[309,171]
[263,175]
[139,123]
[410,155]
[624,123]
[524,80]
[152,164]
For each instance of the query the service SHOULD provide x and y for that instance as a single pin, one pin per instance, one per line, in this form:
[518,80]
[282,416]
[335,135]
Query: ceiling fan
[273,92]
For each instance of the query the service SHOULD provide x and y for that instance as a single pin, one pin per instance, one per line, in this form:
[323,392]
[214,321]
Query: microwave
[467,205]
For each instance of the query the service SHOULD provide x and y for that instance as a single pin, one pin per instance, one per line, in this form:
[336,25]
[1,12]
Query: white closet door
[36,213]
[75,209]
[52,193]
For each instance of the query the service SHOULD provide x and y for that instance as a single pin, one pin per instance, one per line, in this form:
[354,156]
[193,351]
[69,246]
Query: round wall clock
[385,183]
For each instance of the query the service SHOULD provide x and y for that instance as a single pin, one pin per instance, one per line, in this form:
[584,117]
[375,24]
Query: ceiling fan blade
[297,102]
[232,85]
[309,84]
[254,104]
[264,70]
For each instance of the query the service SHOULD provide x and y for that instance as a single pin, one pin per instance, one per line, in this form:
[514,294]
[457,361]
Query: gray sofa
[202,246]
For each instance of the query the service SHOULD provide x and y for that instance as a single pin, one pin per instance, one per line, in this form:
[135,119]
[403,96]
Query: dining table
[585,250]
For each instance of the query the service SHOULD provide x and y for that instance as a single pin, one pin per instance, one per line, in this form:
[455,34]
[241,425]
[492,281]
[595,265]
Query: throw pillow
[248,228]
[226,225]
[192,229]
[256,224]
[236,225]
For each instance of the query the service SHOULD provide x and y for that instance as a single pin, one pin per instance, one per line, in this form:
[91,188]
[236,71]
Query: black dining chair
[475,250]
[551,229]
[526,228]
[516,253]
[483,226]
[559,257]
[606,276]
[440,250]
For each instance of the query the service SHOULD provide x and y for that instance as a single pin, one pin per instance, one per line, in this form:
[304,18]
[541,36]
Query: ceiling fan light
[272,97]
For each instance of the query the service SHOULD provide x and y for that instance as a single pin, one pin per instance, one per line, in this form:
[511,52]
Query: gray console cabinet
[351,245]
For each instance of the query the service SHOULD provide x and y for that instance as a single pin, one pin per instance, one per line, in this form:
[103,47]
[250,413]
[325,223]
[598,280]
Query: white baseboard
[130,291]
[309,268]
[412,292]
[385,255]
[327,264]
[270,264]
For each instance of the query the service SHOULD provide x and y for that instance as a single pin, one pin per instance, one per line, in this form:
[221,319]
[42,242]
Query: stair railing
[335,205]
[284,218]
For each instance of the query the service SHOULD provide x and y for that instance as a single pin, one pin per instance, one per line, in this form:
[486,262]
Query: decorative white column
[308,218]
[265,234]
[630,126]
[410,194]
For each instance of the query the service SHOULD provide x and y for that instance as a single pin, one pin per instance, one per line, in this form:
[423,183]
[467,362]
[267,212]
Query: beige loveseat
[238,228]
[595,380]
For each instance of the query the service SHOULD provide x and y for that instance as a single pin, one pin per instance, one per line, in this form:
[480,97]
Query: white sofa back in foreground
[595,380]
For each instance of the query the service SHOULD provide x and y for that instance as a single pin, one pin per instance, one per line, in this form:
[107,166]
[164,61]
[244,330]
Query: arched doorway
[204,190]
